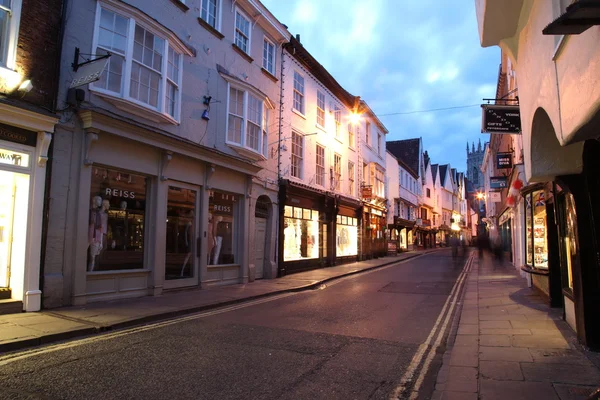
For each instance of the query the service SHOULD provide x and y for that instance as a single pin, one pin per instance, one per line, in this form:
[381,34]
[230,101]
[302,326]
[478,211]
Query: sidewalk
[22,330]
[511,345]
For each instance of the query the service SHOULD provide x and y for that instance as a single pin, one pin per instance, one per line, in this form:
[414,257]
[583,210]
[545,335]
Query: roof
[297,50]
[407,151]
[443,171]
[434,170]
[454,175]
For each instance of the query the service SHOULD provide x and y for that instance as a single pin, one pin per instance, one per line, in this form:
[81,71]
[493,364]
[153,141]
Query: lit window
[242,32]
[155,78]
[297,152]
[247,122]
[337,114]
[208,12]
[298,92]
[320,108]
[351,135]
[10,15]
[368,134]
[269,56]
[320,175]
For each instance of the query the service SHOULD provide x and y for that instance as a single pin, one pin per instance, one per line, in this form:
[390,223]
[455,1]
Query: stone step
[5,293]
[8,306]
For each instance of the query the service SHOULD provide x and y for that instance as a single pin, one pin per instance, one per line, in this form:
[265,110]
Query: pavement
[19,331]
[509,344]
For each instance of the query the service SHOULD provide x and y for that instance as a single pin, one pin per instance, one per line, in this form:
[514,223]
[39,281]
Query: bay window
[145,65]
[247,121]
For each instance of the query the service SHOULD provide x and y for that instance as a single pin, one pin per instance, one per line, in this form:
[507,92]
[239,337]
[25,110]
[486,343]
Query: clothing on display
[221,245]
[301,234]
[346,236]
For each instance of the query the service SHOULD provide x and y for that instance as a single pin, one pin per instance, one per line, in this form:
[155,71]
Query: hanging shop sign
[496,197]
[367,192]
[504,160]
[498,182]
[500,119]
[18,135]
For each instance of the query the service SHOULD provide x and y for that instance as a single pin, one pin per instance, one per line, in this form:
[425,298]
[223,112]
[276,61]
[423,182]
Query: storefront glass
[301,234]
[535,219]
[116,220]
[347,236]
[221,228]
[181,237]
[568,236]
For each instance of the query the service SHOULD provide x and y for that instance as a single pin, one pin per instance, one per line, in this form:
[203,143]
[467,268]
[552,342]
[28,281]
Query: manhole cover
[441,288]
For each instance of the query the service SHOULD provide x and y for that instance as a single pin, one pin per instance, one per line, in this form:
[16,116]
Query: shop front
[151,215]
[23,155]
[404,229]
[505,223]
[347,232]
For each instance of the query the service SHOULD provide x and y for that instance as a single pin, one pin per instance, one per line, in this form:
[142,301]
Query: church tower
[474,161]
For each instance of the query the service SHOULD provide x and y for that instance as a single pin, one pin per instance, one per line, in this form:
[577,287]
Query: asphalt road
[350,340]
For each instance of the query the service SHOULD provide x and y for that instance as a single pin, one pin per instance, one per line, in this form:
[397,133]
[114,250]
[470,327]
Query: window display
[116,220]
[301,234]
[221,224]
[181,237]
[535,219]
[347,236]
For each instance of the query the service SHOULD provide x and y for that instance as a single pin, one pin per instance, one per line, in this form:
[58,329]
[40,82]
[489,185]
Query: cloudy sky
[403,56]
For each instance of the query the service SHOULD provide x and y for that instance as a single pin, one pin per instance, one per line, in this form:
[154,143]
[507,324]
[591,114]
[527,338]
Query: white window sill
[247,152]
[321,127]
[339,140]
[134,108]
[300,114]
[351,148]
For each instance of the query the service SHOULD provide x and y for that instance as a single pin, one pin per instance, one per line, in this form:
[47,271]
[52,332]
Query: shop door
[260,230]
[14,199]
[181,257]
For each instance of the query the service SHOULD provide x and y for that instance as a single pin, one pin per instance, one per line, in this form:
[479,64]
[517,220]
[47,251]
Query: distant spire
[479,145]
[467,147]
[473,150]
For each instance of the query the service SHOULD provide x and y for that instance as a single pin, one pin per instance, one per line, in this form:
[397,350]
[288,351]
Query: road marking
[408,376]
[9,358]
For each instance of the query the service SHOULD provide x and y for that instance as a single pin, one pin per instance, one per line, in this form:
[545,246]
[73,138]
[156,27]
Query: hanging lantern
[517,184]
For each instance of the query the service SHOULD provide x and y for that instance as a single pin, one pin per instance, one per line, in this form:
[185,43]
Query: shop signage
[18,135]
[88,73]
[13,158]
[392,248]
[126,194]
[221,203]
[500,119]
[498,182]
[495,197]
[503,160]
[367,192]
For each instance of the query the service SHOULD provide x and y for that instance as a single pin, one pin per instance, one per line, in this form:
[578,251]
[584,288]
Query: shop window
[222,247]
[568,237]
[181,236]
[346,236]
[117,218]
[301,234]
[535,221]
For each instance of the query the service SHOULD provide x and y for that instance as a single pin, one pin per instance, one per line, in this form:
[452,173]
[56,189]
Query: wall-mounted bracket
[44,138]
[90,137]
[167,156]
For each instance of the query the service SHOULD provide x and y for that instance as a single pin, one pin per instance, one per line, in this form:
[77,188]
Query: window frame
[301,94]
[235,30]
[368,133]
[267,41]
[8,49]
[337,170]
[351,136]
[263,130]
[320,110]
[320,177]
[297,157]
[123,96]
[218,13]
[351,172]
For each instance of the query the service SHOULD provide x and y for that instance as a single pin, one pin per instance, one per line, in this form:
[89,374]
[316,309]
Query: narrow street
[353,339]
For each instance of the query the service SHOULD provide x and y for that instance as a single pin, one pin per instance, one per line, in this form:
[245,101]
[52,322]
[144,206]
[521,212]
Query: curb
[94,330]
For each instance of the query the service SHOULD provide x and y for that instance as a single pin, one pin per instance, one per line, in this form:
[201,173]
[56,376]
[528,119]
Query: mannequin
[211,237]
[95,231]
[188,235]
[218,241]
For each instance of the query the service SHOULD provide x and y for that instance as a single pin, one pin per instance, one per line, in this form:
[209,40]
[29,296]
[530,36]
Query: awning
[579,17]
[403,223]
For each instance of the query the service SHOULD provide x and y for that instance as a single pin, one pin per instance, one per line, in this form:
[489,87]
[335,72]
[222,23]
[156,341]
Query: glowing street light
[355,118]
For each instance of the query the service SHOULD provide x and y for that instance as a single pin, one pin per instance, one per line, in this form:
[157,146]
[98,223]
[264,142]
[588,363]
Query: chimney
[298,37]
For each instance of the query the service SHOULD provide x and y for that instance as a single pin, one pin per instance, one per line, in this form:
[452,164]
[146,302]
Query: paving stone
[546,332]
[516,390]
[458,359]
[462,373]
[503,317]
[501,370]
[499,331]
[466,340]
[540,342]
[558,373]
[573,392]
[496,340]
[495,324]
[10,332]
[559,356]
[461,385]
[538,324]
[464,329]
[469,320]
[504,354]
[458,396]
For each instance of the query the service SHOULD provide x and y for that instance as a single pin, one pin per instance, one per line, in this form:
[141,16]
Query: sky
[402,56]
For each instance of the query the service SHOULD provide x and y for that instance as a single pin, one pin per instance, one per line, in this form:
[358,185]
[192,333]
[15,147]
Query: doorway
[14,202]
[181,261]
